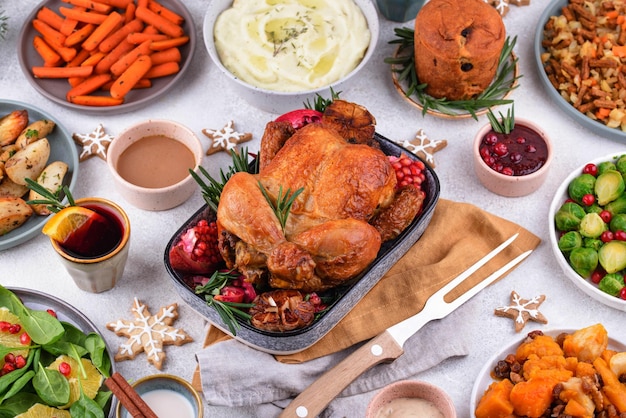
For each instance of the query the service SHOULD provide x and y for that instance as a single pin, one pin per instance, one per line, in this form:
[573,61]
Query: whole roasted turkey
[348,206]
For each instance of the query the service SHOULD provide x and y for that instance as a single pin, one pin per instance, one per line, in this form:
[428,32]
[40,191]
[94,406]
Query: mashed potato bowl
[281,101]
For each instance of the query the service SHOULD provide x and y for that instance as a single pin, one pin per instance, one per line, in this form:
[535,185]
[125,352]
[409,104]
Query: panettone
[457,47]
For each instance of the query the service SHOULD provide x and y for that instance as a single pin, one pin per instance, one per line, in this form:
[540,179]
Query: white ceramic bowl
[281,102]
[162,198]
[412,389]
[510,186]
[583,284]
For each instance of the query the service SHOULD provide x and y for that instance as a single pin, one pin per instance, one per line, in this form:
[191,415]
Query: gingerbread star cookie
[522,310]
[502,6]
[225,139]
[424,147]
[95,143]
[148,333]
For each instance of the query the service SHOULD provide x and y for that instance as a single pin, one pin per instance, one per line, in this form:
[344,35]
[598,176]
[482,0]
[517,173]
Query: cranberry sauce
[519,153]
[102,237]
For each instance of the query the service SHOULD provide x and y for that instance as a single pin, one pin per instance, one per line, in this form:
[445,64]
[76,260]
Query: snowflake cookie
[148,333]
[95,143]
[424,147]
[225,139]
[502,6]
[522,310]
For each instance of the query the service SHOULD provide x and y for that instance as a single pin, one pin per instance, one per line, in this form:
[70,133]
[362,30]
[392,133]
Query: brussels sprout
[569,241]
[617,206]
[612,284]
[605,166]
[620,164]
[609,186]
[594,208]
[592,226]
[568,217]
[583,260]
[618,222]
[593,243]
[580,186]
[612,256]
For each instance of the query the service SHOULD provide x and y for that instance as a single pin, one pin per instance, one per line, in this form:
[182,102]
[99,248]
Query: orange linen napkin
[459,234]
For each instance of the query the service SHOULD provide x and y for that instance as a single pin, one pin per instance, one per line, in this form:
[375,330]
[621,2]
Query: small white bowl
[412,389]
[511,186]
[276,101]
[162,198]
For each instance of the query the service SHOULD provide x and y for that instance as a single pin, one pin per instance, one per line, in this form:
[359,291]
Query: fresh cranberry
[596,276]
[588,199]
[500,149]
[491,138]
[520,140]
[606,236]
[25,339]
[619,235]
[490,161]
[65,369]
[531,148]
[515,157]
[507,171]
[591,169]
[606,216]
[484,152]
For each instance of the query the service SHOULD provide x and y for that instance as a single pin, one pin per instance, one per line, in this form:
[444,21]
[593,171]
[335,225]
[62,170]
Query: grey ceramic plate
[554,9]
[298,340]
[62,148]
[55,90]
[67,313]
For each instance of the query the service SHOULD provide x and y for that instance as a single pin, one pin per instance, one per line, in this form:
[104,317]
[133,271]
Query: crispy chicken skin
[327,237]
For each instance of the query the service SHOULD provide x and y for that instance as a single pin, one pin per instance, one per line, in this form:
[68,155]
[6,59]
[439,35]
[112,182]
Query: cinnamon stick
[128,397]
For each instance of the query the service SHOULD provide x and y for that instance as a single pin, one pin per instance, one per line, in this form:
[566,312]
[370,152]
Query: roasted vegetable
[609,186]
[496,402]
[612,284]
[568,216]
[592,226]
[13,213]
[612,256]
[36,130]
[28,162]
[52,179]
[569,241]
[12,125]
[618,222]
[581,186]
[584,261]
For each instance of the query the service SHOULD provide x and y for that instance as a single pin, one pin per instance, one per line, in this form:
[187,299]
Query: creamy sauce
[167,403]
[409,407]
[291,45]
[155,161]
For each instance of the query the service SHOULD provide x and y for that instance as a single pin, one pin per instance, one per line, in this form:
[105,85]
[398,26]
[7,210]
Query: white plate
[484,378]
[55,90]
[62,148]
[583,284]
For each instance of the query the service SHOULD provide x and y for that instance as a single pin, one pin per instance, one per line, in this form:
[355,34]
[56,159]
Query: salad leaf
[51,386]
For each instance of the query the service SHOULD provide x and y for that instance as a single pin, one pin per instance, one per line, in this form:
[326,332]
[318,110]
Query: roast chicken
[347,205]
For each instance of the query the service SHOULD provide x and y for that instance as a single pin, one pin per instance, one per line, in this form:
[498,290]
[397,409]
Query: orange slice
[68,221]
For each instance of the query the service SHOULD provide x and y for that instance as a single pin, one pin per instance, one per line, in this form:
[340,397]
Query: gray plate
[67,313]
[298,340]
[55,90]
[62,148]
[554,9]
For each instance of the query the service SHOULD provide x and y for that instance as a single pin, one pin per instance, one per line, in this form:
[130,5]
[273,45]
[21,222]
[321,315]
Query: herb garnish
[4,25]
[320,104]
[403,63]
[228,311]
[283,202]
[286,35]
[506,123]
[52,200]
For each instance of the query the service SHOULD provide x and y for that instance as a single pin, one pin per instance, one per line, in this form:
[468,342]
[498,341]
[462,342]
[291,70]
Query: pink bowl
[412,389]
[511,186]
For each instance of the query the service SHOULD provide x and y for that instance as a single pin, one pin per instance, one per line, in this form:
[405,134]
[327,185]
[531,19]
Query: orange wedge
[67,222]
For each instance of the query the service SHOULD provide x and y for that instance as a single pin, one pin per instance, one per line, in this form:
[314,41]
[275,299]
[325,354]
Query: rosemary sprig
[405,63]
[4,24]
[212,190]
[228,311]
[283,203]
[320,104]
[506,123]
[52,200]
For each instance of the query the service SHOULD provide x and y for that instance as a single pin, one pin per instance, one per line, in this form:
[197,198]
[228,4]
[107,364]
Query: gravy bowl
[164,195]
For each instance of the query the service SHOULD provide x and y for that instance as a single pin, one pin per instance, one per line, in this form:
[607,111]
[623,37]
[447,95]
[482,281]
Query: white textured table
[203,100]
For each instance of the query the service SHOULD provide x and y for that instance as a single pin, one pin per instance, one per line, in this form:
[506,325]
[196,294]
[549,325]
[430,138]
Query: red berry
[520,140]
[596,276]
[606,236]
[51,312]
[606,216]
[588,199]
[619,235]
[491,138]
[591,169]
[501,149]
[65,369]
[25,339]
[622,293]
[507,171]
[531,148]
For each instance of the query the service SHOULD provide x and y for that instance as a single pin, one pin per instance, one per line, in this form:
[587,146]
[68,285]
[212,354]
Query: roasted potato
[36,130]
[28,162]
[52,179]
[14,211]
[12,125]
[8,188]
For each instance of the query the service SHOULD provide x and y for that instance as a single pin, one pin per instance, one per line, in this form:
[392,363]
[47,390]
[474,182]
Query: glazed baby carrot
[129,14]
[124,62]
[159,22]
[112,22]
[130,77]
[116,37]
[48,31]
[99,101]
[169,43]
[144,83]
[139,37]
[62,72]
[168,55]
[68,26]
[80,57]
[47,15]
[66,52]
[49,55]
[121,4]
[88,85]
[163,70]
[112,57]
[82,16]
[90,4]
[169,14]
[79,35]
[94,59]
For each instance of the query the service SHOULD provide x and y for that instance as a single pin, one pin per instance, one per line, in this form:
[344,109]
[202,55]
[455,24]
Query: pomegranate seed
[65,369]
[606,236]
[25,339]
[15,328]
[591,169]
[20,361]
[588,199]
[51,312]
[8,368]
[9,358]
[4,326]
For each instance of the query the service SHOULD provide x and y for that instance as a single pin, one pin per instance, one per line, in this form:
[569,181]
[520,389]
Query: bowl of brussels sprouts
[587,225]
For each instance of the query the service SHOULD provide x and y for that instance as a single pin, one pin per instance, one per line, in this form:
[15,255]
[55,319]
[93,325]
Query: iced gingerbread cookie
[522,310]
[94,144]
[502,6]
[225,139]
[148,333]
[424,147]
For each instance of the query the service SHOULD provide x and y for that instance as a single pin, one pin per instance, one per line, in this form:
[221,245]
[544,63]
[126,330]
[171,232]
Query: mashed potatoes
[291,45]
